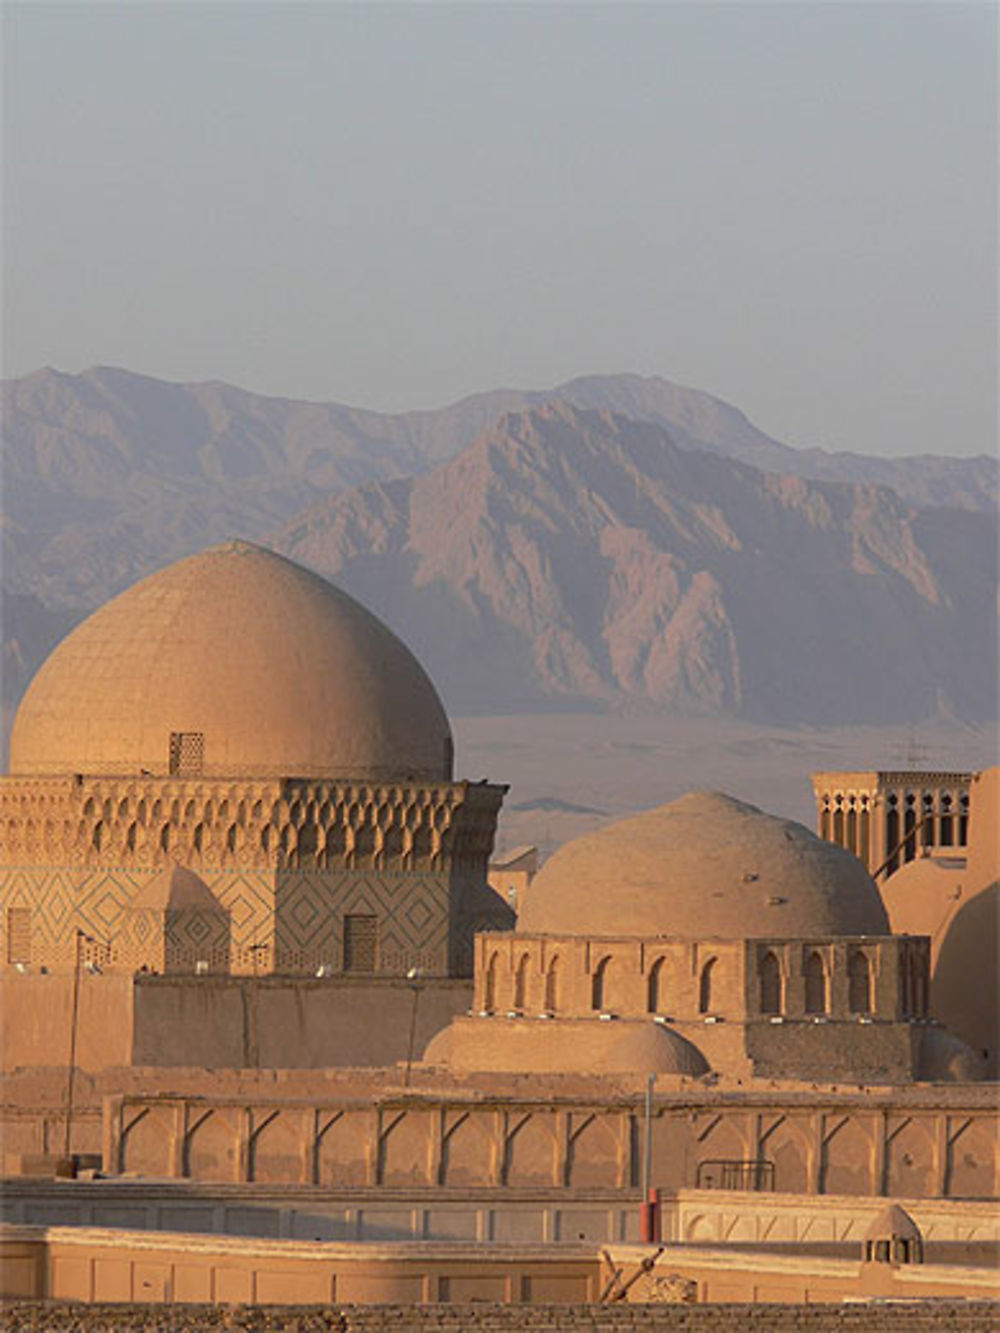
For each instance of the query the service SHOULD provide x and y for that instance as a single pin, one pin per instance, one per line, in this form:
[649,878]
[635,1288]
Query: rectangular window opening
[187,753]
[360,943]
[18,935]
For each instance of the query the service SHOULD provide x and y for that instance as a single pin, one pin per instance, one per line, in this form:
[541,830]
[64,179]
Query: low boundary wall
[921,1145]
[595,1217]
[90,1264]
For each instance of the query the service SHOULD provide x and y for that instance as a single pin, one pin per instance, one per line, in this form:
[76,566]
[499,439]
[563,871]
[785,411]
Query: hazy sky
[792,206]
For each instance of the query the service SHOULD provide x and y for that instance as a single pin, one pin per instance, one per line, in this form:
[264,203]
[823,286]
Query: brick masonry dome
[233,662]
[703,866]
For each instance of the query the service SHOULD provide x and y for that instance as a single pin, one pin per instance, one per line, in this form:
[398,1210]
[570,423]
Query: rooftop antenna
[913,755]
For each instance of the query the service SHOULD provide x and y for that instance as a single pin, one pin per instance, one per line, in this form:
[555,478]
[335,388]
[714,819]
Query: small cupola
[894,1238]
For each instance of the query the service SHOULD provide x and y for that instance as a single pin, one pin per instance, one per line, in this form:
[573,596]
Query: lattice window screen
[18,935]
[187,753]
[360,943]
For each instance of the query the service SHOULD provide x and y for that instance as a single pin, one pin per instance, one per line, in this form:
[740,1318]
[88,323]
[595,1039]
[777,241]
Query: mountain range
[617,541]
[571,558]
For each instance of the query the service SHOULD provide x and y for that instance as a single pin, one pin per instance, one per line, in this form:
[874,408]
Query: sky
[791,206]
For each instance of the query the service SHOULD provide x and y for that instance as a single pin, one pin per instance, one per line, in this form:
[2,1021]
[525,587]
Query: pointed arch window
[654,988]
[490,987]
[521,983]
[817,1001]
[705,987]
[599,985]
[769,977]
[552,986]
[859,983]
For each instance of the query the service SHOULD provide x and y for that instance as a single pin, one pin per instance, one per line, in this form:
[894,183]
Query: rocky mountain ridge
[108,475]
[574,558]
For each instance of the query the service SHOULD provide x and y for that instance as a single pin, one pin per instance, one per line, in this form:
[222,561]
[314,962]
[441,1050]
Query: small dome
[703,866]
[893,1223]
[961,914]
[945,1058]
[565,1046]
[438,1050]
[256,665]
[176,889]
[893,1238]
[921,895]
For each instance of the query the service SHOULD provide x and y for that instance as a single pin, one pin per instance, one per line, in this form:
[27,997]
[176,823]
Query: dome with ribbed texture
[236,663]
[703,866]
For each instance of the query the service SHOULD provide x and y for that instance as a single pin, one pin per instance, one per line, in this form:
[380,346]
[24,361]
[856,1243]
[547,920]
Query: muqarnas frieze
[275,824]
[286,858]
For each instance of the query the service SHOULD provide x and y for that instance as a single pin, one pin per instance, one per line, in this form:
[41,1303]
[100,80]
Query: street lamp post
[413,976]
[81,938]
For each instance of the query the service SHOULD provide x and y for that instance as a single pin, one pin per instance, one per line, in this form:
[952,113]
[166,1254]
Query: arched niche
[817,988]
[770,984]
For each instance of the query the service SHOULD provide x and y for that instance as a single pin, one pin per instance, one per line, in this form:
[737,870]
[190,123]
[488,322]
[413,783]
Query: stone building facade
[769,1008]
[356,877]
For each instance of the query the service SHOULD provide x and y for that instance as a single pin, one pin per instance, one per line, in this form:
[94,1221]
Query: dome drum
[850,979]
[816,1008]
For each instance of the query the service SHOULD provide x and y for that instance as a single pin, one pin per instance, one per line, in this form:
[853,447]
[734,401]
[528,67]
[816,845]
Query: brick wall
[955,1316]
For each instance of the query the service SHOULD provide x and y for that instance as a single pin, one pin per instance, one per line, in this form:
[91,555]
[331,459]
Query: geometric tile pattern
[172,940]
[411,909]
[286,859]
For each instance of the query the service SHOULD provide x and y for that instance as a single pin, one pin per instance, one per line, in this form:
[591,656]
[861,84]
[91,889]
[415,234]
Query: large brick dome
[234,662]
[701,867]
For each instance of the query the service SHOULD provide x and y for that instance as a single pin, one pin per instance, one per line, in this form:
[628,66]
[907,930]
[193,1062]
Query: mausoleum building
[705,935]
[233,766]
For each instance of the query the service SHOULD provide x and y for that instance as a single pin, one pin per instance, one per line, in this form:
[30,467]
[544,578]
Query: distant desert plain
[571,773]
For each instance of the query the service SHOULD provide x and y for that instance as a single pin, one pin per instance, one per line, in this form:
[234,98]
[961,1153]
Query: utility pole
[81,938]
[413,976]
[647,1143]
[649,1219]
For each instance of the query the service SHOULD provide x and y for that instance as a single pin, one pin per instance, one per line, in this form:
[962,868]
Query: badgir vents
[233,768]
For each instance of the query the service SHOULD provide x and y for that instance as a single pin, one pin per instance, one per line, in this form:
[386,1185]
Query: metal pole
[71,1073]
[413,974]
[647,1150]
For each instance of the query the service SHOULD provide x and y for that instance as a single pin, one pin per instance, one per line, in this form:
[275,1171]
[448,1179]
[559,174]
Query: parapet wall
[221,1022]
